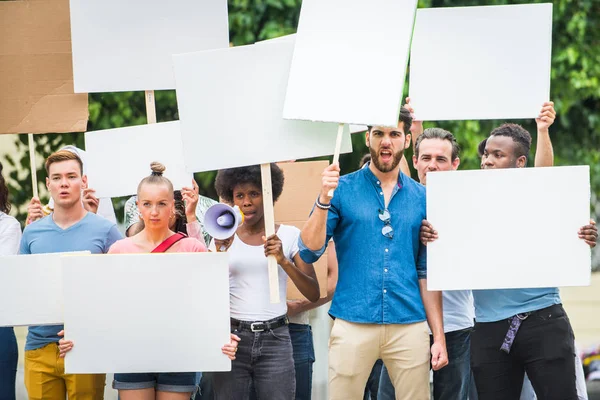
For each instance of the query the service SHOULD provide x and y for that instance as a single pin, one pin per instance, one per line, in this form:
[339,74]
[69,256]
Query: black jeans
[264,361]
[543,347]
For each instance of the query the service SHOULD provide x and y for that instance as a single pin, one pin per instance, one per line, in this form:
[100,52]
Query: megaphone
[221,221]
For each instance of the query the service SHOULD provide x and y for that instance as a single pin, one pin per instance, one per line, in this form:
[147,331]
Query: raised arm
[544,153]
[314,233]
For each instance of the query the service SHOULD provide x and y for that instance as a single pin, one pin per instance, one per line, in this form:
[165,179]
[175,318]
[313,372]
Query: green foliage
[575,91]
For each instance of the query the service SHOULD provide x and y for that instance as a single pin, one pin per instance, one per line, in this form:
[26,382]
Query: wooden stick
[150,107]
[338,149]
[33,165]
[265,174]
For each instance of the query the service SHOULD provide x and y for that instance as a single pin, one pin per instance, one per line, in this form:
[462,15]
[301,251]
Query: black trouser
[543,347]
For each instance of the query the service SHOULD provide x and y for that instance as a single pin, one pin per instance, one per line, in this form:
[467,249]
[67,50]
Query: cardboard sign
[301,188]
[230,106]
[175,304]
[118,159]
[473,63]
[508,228]
[31,290]
[350,61]
[36,73]
[127,45]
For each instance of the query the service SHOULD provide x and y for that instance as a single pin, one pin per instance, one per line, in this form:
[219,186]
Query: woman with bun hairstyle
[157,205]
[264,358]
[10,236]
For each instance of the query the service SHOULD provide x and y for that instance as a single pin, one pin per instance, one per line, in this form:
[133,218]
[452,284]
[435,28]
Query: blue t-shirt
[93,233]
[497,304]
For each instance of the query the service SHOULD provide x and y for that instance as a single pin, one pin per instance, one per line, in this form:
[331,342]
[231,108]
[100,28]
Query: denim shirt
[378,279]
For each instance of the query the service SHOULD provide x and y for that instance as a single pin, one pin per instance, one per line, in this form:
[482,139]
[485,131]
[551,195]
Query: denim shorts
[180,382]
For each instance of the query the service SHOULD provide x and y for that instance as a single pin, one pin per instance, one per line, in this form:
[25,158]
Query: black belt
[259,326]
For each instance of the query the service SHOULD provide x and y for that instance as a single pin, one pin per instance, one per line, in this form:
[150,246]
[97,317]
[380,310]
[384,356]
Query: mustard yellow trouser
[45,378]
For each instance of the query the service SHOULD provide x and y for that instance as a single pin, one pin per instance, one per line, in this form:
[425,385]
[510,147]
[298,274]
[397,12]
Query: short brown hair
[60,156]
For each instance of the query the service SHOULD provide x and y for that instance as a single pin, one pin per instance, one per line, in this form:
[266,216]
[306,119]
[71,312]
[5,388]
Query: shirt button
[381,193]
[379,183]
[385,270]
[384,290]
[386,250]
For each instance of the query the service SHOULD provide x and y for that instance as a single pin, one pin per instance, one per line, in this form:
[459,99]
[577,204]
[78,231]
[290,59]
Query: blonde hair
[156,177]
[60,156]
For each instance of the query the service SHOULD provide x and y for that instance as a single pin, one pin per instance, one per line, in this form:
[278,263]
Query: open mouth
[386,155]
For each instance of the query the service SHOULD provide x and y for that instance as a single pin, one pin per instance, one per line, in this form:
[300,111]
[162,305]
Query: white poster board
[473,63]
[118,159]
[31,290]
[350,61]
[230,106]
[508,228]
[127,45]
[117,307]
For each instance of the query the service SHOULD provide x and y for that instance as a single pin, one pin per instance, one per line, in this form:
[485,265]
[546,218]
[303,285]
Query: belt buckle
[253,329]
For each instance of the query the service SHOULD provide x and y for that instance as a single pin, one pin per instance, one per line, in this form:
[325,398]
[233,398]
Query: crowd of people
[389,330]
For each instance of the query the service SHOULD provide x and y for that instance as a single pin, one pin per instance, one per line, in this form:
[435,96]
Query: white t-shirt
[249,277]
[459,310]
[300,318]
[10,235]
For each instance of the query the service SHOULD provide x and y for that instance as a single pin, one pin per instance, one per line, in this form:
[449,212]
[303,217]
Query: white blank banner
[147,312]
[127,45]
[350,61]
[230,106]
[31,290]
[118,159]
[508,228]
[472,63]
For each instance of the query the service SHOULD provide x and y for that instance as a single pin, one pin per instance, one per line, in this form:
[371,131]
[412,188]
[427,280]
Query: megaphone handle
[338,149]
[265,173]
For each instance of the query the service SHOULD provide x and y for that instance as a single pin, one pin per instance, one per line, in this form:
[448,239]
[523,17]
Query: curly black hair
[227,179]
[4,203]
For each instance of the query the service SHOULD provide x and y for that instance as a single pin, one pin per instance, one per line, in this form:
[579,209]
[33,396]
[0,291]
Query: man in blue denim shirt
[381,300]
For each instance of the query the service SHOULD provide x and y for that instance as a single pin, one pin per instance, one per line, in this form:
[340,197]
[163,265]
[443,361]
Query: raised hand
[90,201]
[329,181]
[546,117]
[190,196]
[34,210]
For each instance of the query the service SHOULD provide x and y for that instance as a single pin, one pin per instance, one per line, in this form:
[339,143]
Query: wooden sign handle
[265,173]
[33,165]
[150,107]
[338,149]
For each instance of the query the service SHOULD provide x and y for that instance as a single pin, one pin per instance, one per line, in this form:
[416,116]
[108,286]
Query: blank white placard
[230,106]
[118,159]
[31,290]
[147,312]
[508,228]
[350,61]
[127,45]
[472,63]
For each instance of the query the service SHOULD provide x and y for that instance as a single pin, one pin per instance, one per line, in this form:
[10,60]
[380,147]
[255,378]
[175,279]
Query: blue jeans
[9,354]
[304,358]
[372,386]
[264,360]
[452,382]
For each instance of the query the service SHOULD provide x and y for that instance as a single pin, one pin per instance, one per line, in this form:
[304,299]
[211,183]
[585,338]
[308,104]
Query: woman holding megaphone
[264,359]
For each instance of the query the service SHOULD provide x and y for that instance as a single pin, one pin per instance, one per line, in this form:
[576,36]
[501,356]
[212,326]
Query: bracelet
[321,205]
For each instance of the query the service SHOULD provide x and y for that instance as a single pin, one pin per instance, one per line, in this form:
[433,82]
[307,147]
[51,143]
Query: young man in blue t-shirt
[69,228]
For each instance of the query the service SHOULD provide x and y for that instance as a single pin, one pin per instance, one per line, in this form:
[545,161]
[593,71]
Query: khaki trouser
[354,348]
[45,378]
